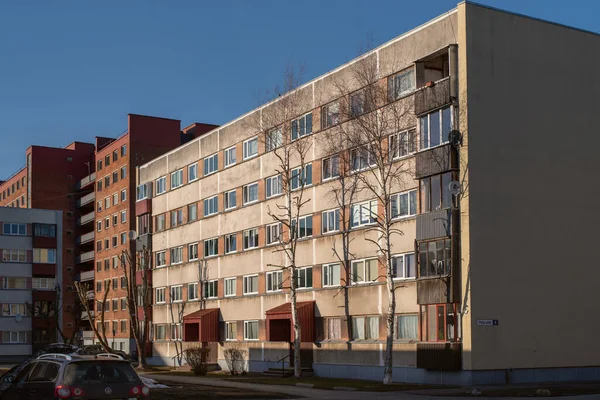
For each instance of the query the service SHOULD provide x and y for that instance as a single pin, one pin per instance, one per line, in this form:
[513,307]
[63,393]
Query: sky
[73,70]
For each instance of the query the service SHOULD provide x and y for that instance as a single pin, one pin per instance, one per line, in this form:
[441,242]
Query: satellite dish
[455,137]
[454,188]
[18,317]
[132,235]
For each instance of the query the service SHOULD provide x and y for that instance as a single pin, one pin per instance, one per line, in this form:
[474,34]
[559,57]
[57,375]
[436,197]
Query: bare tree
[138,297]
[82,291]
[292,173]
[367,119]
[176,309]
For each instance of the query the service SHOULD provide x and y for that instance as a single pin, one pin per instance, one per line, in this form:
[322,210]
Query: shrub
[235,360]
[197,358]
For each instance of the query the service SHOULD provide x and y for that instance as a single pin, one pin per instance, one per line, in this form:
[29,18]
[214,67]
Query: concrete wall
[532,97]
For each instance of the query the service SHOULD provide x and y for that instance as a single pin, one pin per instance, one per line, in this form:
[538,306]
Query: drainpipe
[453,70]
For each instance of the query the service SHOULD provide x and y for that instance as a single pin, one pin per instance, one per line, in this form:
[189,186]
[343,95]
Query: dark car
[55,348]
[60,376]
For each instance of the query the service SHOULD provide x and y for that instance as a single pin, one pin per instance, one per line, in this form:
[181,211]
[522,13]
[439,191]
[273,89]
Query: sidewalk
[297,391]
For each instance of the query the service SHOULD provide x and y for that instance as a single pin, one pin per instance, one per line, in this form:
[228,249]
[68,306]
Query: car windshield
[99,372]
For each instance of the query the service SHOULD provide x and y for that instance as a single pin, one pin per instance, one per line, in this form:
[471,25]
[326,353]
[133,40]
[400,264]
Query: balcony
[86,219]
[435,161]
[88,334]
[85,257]
[144,242]
[43,269]
[86,276]
[439,356]
[432,96]
[87,199]
[85,238]
[434,224]
[86,181]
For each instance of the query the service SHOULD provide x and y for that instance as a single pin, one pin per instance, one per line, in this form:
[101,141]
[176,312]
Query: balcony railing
[85,238]
[85,257]
[432,97]
[86,219]
[91,178]
[86,276]
[87,199]
[439,356]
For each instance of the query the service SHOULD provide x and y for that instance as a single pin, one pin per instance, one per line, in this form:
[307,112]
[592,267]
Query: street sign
[487,322]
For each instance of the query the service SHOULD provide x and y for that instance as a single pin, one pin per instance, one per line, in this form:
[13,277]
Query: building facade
[473,303]
[30,268]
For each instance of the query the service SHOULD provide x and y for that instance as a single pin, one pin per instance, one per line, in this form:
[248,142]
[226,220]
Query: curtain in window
[372,328]
[407,327]
[334,328]
[358,328]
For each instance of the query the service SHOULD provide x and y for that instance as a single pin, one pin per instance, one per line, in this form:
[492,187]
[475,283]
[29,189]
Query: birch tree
[100,334]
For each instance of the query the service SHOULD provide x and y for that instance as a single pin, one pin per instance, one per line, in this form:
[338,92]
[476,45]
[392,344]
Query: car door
[11,392]
[39,384]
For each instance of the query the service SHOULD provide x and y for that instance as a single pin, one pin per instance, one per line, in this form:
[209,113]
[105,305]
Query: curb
[345,388]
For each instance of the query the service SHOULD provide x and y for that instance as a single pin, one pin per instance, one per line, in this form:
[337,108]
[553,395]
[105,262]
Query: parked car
[94,349]
[56,348]
[62,376]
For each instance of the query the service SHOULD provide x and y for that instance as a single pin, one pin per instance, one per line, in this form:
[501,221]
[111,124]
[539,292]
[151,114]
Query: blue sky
[73,70]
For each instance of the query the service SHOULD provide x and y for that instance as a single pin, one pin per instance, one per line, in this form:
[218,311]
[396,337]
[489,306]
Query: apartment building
[31,261]
[474,303]
[116,161]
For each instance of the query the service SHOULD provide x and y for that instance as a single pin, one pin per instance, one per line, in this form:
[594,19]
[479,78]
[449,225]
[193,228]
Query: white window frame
[123,216]
[17,229]
[361,153]
[246,193]
[244,282]
[273,139]
[331,267]
[333,168]
[176,332]
[211,289]
[273,233]
[214,243]
[141,192]
[193,288]
[299,272]
[273,182]
[248,233]
[246,148]
[229,160]
[210,208]
[225,281]
[190,246]
[325,221]
[159,295]
[161,185]
[360,209]
[301,220]
[226,200]
[160,255]
[395,198]
[176,179]
[227,331]
[441,127]
[298,175]
[15,337]
[193,167]
[123,195]
[298,122]
[177,289]
[393,93]
[271,285]
[403,257]
[228,249]
[211,164]
[402,140]
[246,323]
[363,277]
[180,249]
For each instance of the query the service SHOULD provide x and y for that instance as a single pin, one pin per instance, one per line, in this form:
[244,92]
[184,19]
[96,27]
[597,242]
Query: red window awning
[201,326]
[279,322]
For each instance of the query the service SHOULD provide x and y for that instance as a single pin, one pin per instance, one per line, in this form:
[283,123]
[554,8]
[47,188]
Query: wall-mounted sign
[487,322]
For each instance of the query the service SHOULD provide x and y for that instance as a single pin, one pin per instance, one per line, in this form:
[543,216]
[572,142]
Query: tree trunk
[389,342]
[297,328]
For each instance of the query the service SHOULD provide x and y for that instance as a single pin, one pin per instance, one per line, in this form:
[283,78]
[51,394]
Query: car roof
[65,358]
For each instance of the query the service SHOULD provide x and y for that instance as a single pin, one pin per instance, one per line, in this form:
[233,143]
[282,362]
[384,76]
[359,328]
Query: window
[273,139]
[361,102]
[302,126]
[115,199]
[211,289]
[330,221]
[251,284]
[230,201]
[401,84]
[99,165]
[407,327]
[123,326]
[176,218]
[192,291]
[42,230]
[404,204]
[176,255]
[123,237]
[330,115]
[230,287]
[211,164]
[115,304]
[123,150]
[142,192]
[211,247]
[175,331]
[42,283]
[304,226]
[192,212]
[435,258]
[365,328]
[115,241]
[106,203]
[123,284]
[250,330]
[402,144]
[230,155]
[115,155]
[362,158]
[176,293]
[161,185]
[230,243]
[211,206]
[435,192]
[99,265]
[274,186]
[250,238]
[404,266]
[230,331]
[274,281]
[106,223]
[193,172]
[331,167]
[304,278]
[273,233]
[331,275]
[124,302]
[99,284]
[115,177]
[250,193]
[99,208]
[250,148]
[160,295]
[115,220]
[176,179]
[123,172]
[11,282]
[365,270]
[17,229]
[115,265]
[106,264]
[364,213]
[123,195]
[160,332]
[115,284]
[299,178]
[44,256]
[193,251]
[160,222]
[334,329]
[14,337]
[123,216]
[440,322]
[14,256]
[435,128]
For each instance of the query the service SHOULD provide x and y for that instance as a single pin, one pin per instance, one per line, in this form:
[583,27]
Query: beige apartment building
[491,282]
